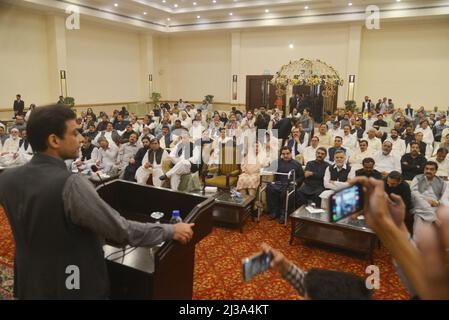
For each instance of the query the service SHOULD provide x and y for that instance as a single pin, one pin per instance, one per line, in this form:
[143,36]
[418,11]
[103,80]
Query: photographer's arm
[287,269]
[394,238]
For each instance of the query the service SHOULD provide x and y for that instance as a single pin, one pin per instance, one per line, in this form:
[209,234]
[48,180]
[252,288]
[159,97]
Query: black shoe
[163,177]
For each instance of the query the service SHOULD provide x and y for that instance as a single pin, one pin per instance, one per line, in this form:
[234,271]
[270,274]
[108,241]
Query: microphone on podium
[95,169]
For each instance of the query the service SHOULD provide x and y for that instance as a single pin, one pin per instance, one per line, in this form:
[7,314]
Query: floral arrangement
[309,72]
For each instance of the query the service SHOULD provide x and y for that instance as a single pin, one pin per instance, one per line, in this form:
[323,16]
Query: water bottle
[175,217]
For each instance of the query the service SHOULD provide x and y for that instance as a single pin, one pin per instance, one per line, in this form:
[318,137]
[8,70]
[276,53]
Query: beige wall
[23,57]
[269,50]
[103,64]
[190,67]
[408,62]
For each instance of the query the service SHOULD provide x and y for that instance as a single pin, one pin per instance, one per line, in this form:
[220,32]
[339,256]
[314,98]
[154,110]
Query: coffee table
[349,234]
[229,210]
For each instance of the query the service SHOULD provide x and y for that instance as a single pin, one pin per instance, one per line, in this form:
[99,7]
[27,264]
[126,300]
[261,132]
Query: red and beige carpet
[218,273]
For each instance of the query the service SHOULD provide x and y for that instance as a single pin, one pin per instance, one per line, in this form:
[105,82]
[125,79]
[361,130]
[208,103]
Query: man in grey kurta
[429,192]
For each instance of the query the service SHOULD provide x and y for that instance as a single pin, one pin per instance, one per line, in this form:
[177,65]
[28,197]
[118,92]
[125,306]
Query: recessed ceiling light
[266,10]
[306,7]
[198,17]
[115,4]
[214,1]
[291,46]
[230,13]
[398,0]
[144,13]
[350,4]
[164,1]
[175,5]
[168,19]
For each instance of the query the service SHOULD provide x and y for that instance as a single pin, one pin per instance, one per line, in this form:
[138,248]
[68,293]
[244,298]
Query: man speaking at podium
[58,219]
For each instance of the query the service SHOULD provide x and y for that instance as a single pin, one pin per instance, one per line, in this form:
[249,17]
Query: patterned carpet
[218,272]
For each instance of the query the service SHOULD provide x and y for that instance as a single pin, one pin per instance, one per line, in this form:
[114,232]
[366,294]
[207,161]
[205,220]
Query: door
[260,92]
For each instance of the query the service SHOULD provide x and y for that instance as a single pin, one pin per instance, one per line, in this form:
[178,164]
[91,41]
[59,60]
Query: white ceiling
[163,16]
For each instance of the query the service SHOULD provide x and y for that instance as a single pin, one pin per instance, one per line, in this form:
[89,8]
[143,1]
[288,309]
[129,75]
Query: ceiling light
[291,46]
[214,1]
[198,17]
[266,10]
[144,13]
[115,4]
[175,5]
[164,1]
[168,19]
[350,4]
[230,13]
[306,7]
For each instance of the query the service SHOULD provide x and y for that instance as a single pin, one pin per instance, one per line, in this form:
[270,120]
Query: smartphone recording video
[346,202]
[256,264]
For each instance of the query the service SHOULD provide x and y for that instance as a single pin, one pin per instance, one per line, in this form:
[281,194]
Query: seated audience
[309,152]
[253,162]
[151,163]
[88,154]
[325,138]
[109,134]
[313,183]
[165,138]
[356,158]
[119,123]
[426,131]
[128,132]
[374,144]
[337,175]
[443,163]
[107,156]
[298,142]
[368,170]
[424,148]
[399,147]
[429,192]
[386,161]
[185,158]
[349,140]
[276,191]
[412,163]
[338,141]
[127,153]
[394,184]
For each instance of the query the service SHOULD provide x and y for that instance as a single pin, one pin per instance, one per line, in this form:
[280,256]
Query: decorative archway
[322,77]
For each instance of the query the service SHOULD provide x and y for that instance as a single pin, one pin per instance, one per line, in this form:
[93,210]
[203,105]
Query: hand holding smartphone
[346,202]
[256,264]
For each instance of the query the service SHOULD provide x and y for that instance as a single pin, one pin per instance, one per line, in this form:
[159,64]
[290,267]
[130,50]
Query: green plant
[70,101]
[209,98]
[156,97]
[350,105]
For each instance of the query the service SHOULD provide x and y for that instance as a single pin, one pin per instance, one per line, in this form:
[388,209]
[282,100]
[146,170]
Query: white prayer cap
[14,129]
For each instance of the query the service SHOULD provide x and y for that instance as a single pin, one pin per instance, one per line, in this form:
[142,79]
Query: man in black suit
[19,106]
[368,170]
[294,102]
[367,104]
[394,184]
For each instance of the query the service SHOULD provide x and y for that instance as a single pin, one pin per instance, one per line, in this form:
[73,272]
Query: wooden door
[260,92]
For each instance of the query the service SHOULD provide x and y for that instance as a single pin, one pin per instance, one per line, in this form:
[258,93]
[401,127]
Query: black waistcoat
[47,243]
[341,176]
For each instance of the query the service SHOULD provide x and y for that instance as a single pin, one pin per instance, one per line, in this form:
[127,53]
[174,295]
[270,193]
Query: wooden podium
[161,272]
